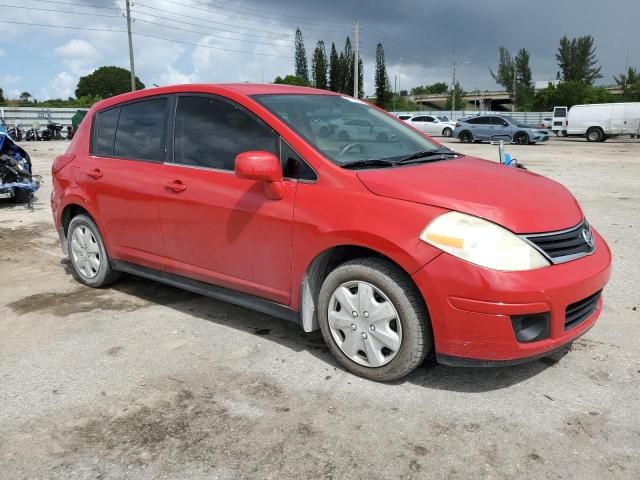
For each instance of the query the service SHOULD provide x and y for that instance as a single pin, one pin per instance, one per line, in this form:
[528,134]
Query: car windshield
[346,130]
[443,119]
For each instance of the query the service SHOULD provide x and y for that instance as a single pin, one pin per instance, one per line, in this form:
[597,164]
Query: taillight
[60,162]
[457,125]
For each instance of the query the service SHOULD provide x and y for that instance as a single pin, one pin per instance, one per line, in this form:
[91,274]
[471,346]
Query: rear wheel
[595,134]
[373,319]
[88,254]
[447,132]
[465,137]
[343,135]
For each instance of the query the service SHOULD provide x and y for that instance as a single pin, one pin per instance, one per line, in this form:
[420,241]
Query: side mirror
[262,166]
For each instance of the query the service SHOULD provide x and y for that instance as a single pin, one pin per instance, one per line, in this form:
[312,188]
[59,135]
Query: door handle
[176,186]
[96,173]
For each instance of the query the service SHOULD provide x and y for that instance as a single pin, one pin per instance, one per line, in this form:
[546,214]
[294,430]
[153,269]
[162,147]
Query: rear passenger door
[128,146]
[216,227]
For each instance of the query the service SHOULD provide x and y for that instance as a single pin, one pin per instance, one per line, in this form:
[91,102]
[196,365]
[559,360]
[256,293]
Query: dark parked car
[483,127]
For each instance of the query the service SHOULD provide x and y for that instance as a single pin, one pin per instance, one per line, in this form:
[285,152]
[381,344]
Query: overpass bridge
[494,100]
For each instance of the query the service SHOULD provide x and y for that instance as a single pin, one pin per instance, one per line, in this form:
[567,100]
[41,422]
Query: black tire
[412,314]
[465,137]
[22,196]
[595,134]
[105,274]
[447,132]
[382,137]
[521,138]
[343,135]
[324,132]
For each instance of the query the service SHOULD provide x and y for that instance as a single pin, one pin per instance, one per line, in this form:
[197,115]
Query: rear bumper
[471,307]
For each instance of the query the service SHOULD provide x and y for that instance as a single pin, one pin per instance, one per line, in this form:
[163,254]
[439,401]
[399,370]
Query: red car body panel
[267,245]
[514,198]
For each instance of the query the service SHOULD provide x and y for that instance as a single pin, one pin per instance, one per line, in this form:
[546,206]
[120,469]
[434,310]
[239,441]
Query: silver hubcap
[85,252]
[364,324]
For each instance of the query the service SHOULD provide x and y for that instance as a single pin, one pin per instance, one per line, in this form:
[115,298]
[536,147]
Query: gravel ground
[146,381]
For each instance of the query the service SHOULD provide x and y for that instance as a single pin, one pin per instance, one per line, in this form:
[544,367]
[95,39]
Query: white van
[559,121]
[597,122]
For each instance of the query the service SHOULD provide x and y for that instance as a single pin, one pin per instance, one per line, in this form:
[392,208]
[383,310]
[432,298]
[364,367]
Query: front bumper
[471,307]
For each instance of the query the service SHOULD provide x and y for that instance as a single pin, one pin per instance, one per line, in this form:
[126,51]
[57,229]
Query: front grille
[564,245]
[578,312]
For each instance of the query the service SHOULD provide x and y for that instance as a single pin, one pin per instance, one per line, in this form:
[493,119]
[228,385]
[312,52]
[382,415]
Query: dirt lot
[146,381]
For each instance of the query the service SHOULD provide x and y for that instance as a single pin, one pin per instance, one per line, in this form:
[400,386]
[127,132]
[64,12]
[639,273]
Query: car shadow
[429,375]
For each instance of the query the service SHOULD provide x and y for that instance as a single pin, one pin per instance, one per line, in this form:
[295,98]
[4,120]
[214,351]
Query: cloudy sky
[180,41]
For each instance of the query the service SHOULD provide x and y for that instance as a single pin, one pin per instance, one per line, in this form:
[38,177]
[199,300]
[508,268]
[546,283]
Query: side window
[474,121]
[497,121]
[140,134]
[104,132]
[418,119]
[211,132]
[293,166]
[428,119]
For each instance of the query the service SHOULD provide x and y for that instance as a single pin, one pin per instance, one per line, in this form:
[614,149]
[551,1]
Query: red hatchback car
[321,209]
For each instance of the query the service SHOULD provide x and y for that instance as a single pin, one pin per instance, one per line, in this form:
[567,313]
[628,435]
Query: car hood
[522,201]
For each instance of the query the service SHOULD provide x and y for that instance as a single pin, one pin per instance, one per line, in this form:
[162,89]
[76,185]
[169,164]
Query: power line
[213,4]
[260,19]
[287,38]
[211,34]
[62,26]
[91,14]
[210,21]
[204,45]
[77,5]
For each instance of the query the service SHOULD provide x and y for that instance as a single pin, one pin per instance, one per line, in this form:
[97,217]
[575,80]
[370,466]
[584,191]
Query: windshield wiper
[428,154]
[371,162]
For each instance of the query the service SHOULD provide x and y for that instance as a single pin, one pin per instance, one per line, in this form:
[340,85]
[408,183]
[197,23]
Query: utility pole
[399,75]
[626,68]
[513,97]
[133,73]
[356,59]
[453,86]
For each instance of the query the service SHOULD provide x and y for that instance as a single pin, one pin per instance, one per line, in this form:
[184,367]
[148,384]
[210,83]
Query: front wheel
[447,132]
[521,138]
[373,319]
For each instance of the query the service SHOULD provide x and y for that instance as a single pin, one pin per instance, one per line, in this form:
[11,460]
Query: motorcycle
[15,132]
[52,132]
[32,135]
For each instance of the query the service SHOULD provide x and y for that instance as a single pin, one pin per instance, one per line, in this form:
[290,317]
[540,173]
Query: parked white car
[362,129]
[432,125]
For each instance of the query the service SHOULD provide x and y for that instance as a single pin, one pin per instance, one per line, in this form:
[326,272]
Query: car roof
[244,89]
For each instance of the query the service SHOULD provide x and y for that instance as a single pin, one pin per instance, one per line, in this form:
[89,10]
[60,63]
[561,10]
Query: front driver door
[216,227]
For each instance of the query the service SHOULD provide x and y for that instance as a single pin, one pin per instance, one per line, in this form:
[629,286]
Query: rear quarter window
[140,134]
[104,131]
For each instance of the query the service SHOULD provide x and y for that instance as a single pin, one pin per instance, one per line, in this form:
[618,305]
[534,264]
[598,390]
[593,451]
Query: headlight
[481,242]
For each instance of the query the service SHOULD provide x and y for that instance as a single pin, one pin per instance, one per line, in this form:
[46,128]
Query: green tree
[348,58]
[25,97]
[570,93]
[106,82]
[434,89]
[360,78]
[455,101]
[524,83]
[302,67]
[382,86]
[2,100]
[504,74]
[577,60]
[335,72]
[319,66]
[291,80]
[630,82]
